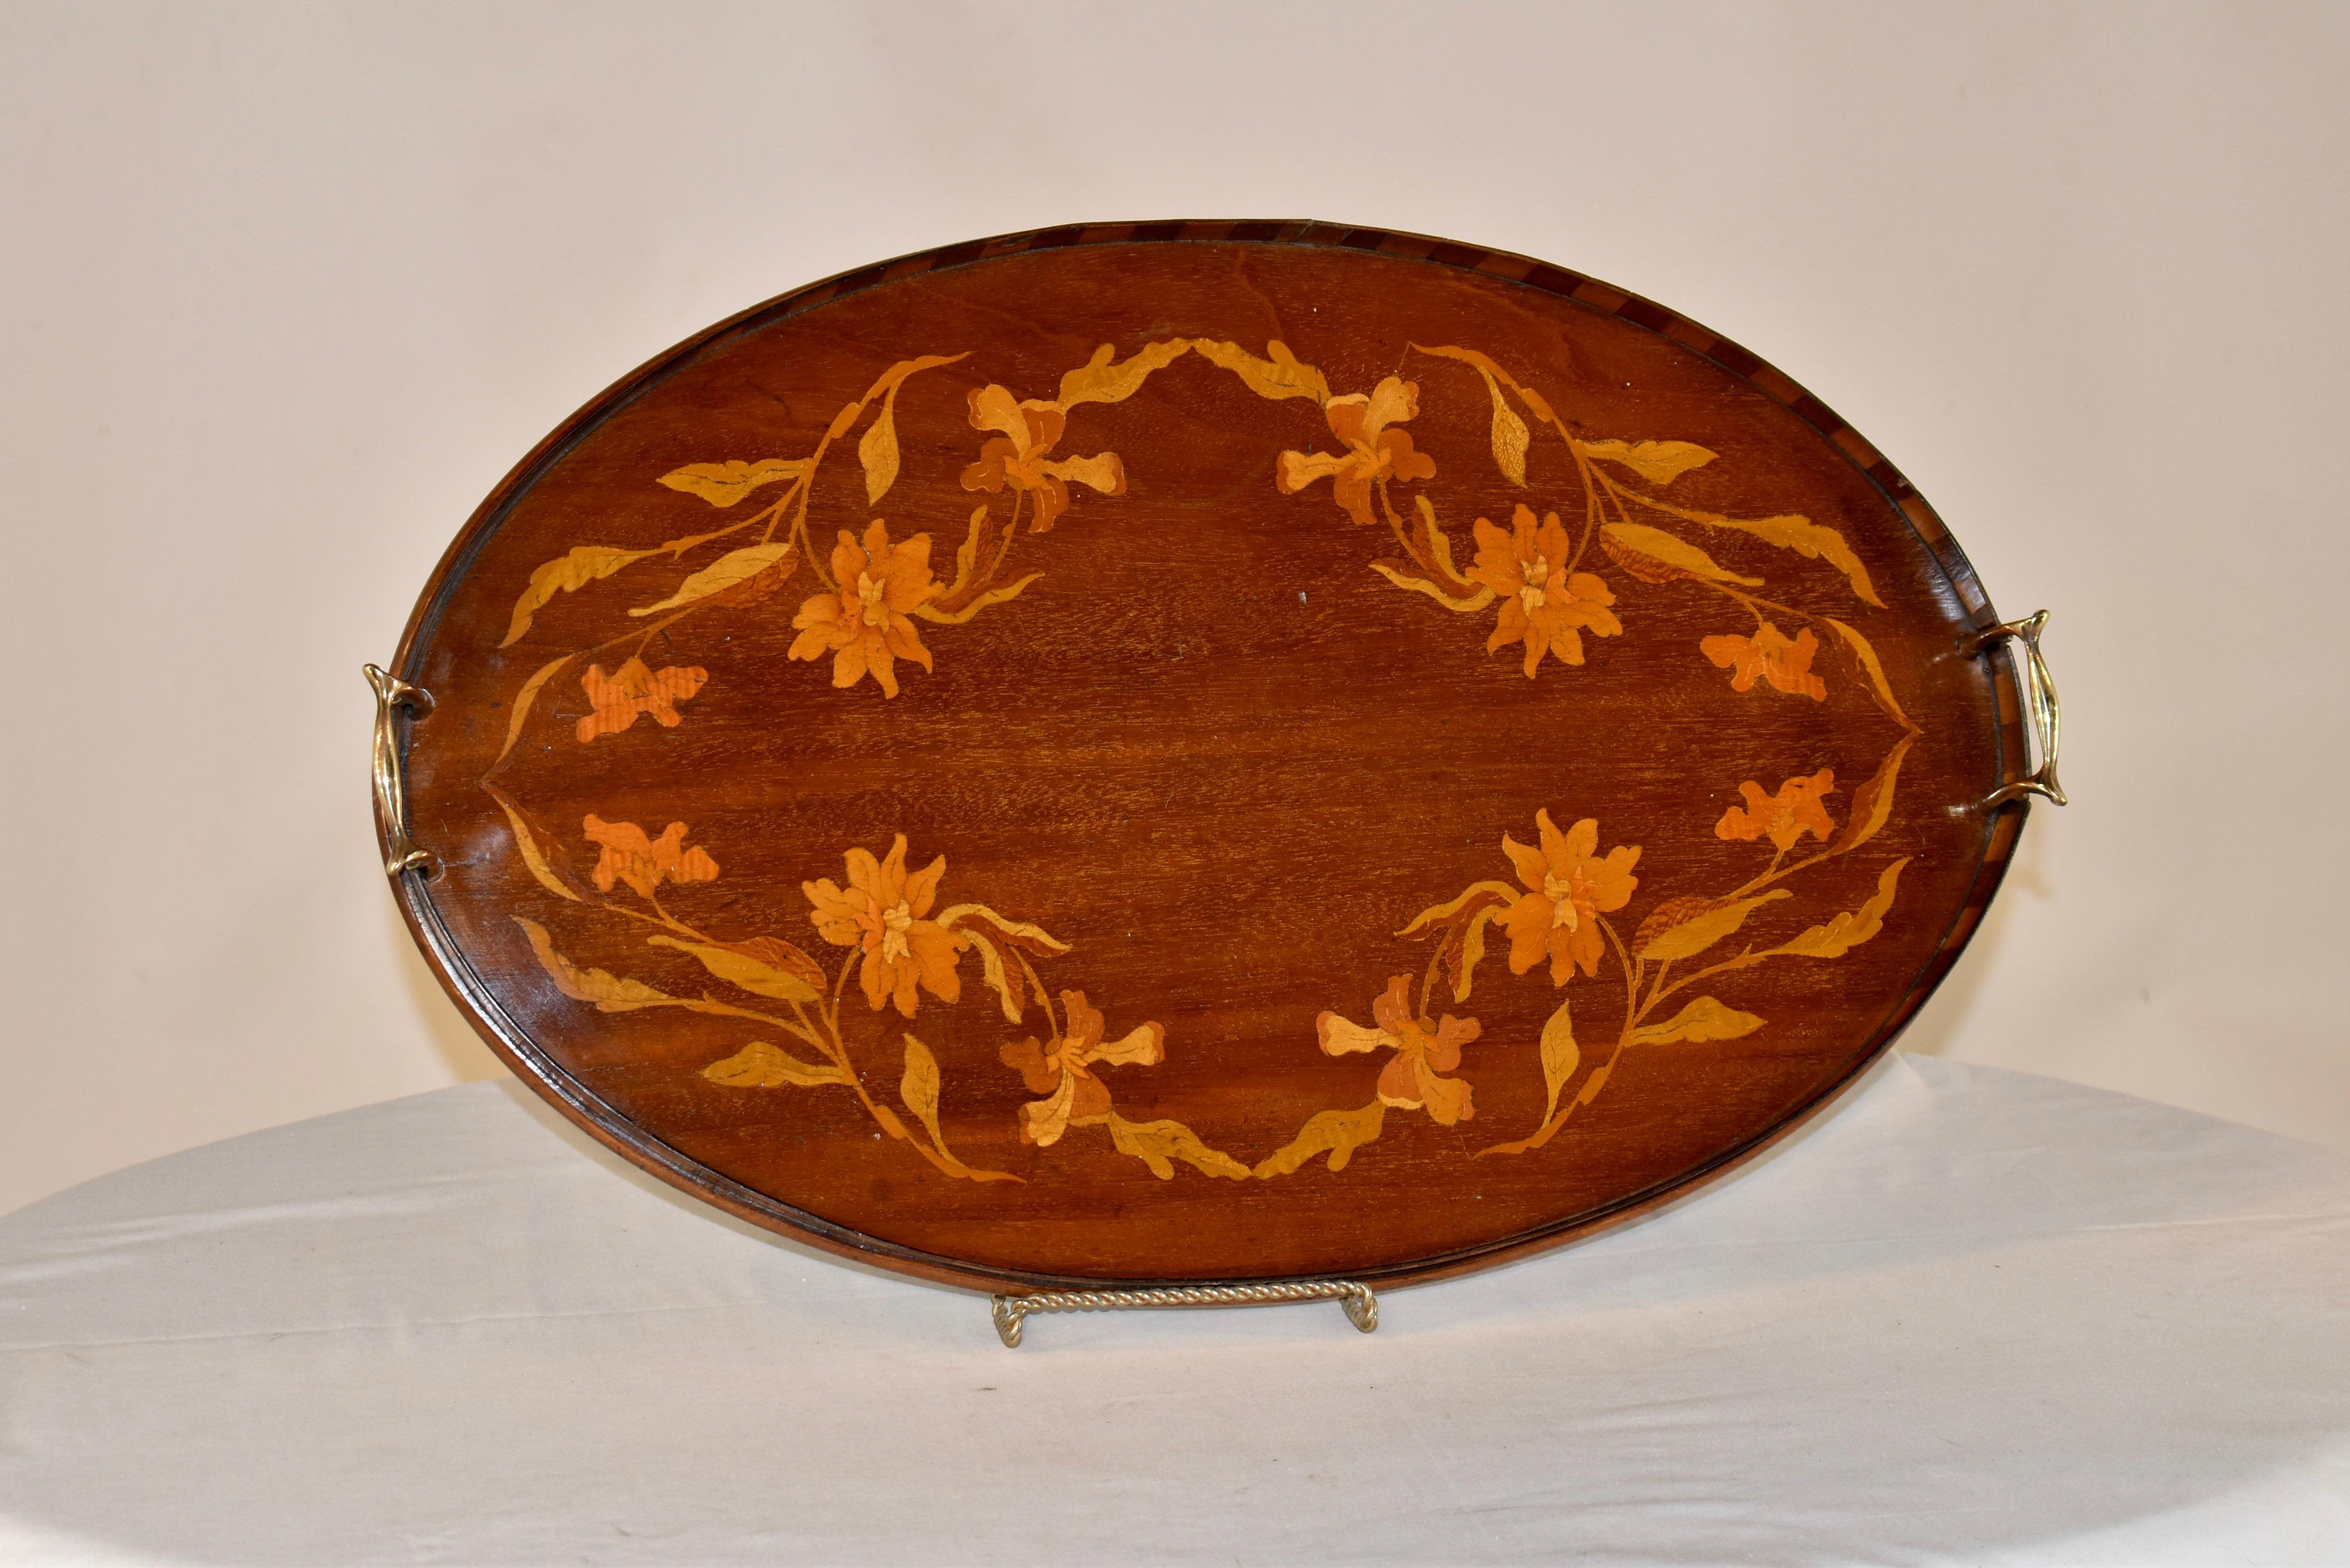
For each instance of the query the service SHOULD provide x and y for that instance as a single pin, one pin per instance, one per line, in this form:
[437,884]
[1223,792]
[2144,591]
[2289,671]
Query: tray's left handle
[390,790]
[2039,702]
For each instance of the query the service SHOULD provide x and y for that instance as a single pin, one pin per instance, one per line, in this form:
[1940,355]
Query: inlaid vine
[1544,576]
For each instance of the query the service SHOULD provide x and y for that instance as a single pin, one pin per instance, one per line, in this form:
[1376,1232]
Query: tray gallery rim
[477,999]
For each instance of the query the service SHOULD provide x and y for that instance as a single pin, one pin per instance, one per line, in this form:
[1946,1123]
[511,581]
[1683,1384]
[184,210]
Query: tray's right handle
[2039,702]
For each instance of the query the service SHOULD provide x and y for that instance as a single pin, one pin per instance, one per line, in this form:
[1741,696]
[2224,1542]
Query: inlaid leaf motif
[1872,804]
[739,967]
[586,564]
[967,559]
[725,483]
[1671,913]
[1431,538]
[1560,1057]
[1003,975]
[878,450]
[1866,656]
[1017,933]
[1658,461]
[1656,556]
[760,1065]
[735,566]
[533,853]
[1159,1143]
[1510,437]
[528,695]
[1810,540]
[885,386]
[919,1090]
[1463,920]
[1704,1019]
[1849,930]
[1472,949]
[760,586]
[1454,910]
[1337,1133]
[1699,929]
[1281,376]
[978,602]
[1404,575]
[608,991]
[1102,381]
[967,596]
[1485,365]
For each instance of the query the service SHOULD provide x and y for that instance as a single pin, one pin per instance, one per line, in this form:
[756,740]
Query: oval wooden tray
[1200,752]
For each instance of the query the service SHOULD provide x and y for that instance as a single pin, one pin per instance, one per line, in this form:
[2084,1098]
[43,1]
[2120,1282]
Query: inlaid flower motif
[1373,451]
[645,862]
[1570,885]
[1063,1070]
[1541,602]
[618,699]
[1425,1050]
[1768,653]
[1785,818]
[1018,456]
[867,626]
[882,912]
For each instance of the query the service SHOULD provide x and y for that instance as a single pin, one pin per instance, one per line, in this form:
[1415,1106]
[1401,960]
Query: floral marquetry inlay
[1555,919]
[1003,770]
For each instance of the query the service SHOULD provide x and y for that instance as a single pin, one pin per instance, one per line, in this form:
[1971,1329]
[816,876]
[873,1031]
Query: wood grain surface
[1200,753]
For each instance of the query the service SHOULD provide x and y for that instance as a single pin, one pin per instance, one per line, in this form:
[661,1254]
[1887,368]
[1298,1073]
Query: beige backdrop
[287,288]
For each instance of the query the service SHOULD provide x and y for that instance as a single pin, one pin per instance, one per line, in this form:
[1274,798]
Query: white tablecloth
[1975,1317]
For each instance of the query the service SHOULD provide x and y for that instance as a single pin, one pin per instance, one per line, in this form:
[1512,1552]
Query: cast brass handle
[2039,704]
[390,791]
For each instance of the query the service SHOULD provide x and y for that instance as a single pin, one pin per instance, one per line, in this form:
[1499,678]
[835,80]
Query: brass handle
[390,790]
[1362,1306]
[2039,702]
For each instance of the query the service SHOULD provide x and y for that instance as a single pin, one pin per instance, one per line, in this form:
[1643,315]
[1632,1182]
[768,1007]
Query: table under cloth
[1975,1316]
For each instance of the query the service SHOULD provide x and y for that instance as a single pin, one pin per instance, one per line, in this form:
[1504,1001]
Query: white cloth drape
[1975,1317]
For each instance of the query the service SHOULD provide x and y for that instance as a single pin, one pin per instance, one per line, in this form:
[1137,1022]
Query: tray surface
[1200,753]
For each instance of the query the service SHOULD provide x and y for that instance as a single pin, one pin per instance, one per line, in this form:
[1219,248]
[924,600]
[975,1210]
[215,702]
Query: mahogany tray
[1202,754]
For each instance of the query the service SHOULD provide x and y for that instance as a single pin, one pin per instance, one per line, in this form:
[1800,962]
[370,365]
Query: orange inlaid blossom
[1017,456]
[867,626]
[881,912]
[1425,1049]
[645,862]
[1063,1071]
[1768,653]
[616,700]
[1373,451]
[1785,817]
[1571,886]
[1541,602]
